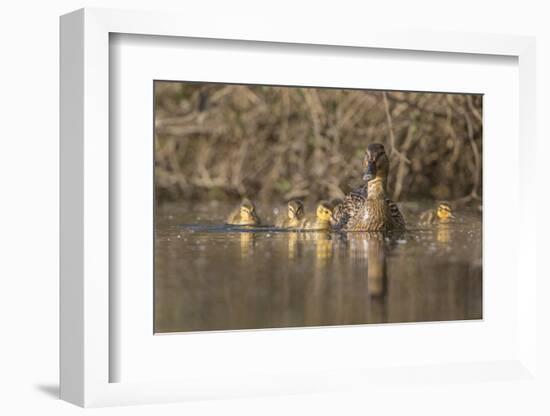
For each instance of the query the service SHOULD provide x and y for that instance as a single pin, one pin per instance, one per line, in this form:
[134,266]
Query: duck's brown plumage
[377,213]
[381,213]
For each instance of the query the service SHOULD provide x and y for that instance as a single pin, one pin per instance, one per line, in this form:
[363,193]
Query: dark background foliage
[218,141]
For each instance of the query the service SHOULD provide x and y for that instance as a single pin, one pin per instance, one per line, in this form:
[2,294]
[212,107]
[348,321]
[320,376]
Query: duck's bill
[370,173]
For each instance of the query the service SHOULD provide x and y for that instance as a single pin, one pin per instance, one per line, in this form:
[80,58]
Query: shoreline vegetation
[222,142]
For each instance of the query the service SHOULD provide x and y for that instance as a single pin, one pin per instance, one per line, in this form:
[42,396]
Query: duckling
[245,214]
[323,218]
[354,210]
[443,214]
[295,215]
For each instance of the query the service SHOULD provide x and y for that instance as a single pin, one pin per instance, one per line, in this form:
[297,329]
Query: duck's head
[248,210]
[376,162]
[295,210]
[444,211]
[324,211]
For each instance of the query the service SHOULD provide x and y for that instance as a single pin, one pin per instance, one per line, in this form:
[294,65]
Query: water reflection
[212,278]
[247,244]
[367,255]
[443,233]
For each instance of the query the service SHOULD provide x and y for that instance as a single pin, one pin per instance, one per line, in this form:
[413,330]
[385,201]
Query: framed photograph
[264,213]
[274,206]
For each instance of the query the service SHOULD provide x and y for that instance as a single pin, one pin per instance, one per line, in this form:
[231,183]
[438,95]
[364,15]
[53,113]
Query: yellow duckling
[443,214]
[323,218]
[245,214]
[295,215]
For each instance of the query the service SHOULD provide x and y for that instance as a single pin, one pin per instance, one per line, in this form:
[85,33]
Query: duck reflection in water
[321,239]
[247,243]
[369,247]
[444,233]
[323,249]
[293,246]
[320,283]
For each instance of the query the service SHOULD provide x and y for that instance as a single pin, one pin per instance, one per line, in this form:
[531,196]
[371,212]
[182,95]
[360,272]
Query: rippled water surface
[214,277]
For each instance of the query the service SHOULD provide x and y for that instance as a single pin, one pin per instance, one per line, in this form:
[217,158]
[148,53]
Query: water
[214,277]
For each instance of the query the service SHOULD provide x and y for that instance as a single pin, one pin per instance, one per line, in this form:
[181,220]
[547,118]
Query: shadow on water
[216,277]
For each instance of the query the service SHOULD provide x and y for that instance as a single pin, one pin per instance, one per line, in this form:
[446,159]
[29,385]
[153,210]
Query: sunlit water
[214,277]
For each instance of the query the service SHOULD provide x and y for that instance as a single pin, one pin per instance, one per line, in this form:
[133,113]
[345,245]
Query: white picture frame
[86,262]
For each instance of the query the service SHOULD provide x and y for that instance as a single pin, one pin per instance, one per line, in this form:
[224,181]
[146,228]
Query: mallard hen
[356,213]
